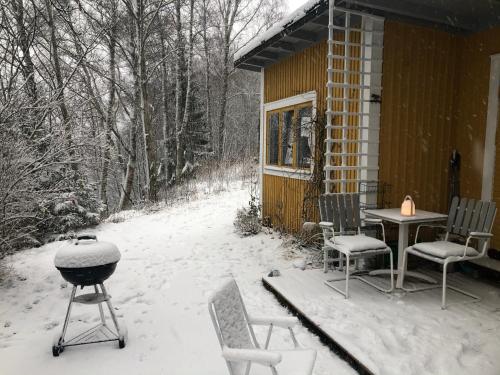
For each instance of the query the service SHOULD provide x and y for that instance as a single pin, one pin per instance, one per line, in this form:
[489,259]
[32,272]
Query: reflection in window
[273,148]
[304,137]
[287,139]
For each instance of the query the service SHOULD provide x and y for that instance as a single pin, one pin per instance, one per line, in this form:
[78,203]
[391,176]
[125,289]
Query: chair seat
[358,243]
[293,362]
[444,249]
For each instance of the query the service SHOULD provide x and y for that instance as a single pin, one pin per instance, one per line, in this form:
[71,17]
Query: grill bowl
[87,276]
[87,261]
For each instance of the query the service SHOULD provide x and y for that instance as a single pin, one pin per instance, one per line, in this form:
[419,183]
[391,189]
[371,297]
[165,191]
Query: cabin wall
[434,100]
[470,115]
[297,74]
[418,93]
[283,197]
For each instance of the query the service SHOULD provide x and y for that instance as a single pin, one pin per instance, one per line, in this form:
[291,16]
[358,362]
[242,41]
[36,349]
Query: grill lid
[86,251]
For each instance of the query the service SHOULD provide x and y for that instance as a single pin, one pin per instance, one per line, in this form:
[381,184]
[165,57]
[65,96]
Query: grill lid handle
[85,236]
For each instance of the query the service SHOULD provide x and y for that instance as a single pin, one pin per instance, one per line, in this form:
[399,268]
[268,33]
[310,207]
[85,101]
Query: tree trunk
[110,118]
[179,86]
[208,117]
[222,114]
[27,67]
[164,97]
[187,104]
[60,84]
[128,182]
[228,19]
[146,121]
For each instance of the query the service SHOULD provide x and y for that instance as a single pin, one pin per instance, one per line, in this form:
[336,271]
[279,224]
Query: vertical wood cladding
[470,115]
[418,90]
[434,100]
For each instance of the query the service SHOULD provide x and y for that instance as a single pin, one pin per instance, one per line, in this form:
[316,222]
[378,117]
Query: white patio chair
[239,346]
[469,220]
[343,232]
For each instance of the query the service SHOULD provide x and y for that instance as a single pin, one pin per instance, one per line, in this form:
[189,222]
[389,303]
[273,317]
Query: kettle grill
[88,262]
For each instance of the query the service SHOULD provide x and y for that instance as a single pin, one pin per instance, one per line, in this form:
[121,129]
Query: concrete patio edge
[324,337]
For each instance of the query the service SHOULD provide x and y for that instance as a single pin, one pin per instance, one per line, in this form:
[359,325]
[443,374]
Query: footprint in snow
[50,325]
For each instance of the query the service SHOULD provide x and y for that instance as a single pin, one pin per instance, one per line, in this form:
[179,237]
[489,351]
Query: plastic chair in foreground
[240,348]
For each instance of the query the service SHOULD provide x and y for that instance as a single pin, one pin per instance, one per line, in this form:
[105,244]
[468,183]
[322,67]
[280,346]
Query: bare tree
[56,62]
[180,68]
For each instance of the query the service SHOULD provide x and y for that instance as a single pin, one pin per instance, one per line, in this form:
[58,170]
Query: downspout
[262,141]
[329,99]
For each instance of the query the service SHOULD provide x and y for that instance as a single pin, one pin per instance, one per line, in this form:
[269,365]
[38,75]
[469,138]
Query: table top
[394,216]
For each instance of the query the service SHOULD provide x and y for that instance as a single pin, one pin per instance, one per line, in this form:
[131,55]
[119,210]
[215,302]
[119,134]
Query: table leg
[402,245]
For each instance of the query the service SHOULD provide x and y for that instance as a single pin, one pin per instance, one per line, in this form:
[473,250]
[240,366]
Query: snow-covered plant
[248,220]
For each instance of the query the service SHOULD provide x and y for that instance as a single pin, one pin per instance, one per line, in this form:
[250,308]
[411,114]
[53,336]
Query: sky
[294,4]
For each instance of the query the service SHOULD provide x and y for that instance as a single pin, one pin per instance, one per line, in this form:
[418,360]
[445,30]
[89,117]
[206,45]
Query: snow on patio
[171,261]
[402,333]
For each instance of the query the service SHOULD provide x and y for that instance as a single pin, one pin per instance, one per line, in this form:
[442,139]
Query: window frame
[295,103]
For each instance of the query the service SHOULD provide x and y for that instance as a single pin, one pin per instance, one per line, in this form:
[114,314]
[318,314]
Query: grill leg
[101,312]
[68,313]
[110,307]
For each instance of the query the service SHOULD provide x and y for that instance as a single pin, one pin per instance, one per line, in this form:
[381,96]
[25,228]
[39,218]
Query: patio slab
[400,333]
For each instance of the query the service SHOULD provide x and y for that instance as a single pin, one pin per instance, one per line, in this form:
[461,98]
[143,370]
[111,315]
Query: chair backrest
[230,320]
[342,210]
[470,215]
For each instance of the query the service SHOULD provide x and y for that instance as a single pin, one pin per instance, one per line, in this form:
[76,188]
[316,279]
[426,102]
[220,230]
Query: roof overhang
[309,24]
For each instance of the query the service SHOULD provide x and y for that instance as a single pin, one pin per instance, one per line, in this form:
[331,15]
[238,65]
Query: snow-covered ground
[398,333]
[171,261]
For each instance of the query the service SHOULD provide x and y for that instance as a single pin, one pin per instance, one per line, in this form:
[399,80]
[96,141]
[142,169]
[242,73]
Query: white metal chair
[469,220]
[239,345]
[342,232]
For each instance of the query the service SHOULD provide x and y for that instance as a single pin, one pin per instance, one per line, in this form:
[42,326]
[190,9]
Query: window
[273,132]
[304,137]
[286,138]
[289,136]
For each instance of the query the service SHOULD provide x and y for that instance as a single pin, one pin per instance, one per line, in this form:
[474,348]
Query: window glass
[273,151]
[287,139]
[304,137]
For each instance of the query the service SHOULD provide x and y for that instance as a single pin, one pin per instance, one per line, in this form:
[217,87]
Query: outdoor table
[393,215]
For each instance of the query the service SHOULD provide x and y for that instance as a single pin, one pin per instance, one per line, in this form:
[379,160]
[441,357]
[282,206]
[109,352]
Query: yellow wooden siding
[282,201]
[418,89]
[470,115]
[434,100]
[300,73]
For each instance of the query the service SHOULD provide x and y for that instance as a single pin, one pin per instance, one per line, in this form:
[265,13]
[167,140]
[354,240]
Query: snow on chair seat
[240,347]
[445,249]
[358,242]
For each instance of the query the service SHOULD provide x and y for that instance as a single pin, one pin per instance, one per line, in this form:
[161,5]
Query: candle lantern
[408,207]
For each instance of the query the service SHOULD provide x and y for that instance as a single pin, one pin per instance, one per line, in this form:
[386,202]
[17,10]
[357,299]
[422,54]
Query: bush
[247,220]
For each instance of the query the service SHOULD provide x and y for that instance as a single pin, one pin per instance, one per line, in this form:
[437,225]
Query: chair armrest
[484,236]
[372,220]
[327,229]
[439,226]
[480,235]
[278,321]
[261,356]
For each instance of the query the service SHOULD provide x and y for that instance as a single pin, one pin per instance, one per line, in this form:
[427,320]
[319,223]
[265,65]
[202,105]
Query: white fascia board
[293,100]
[491,129]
